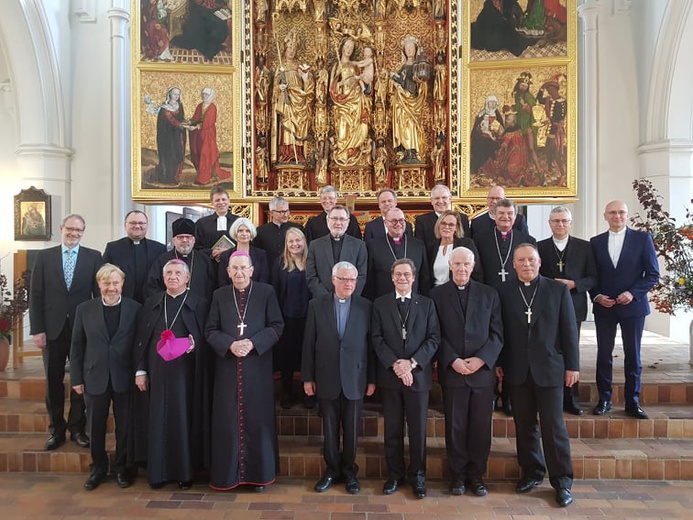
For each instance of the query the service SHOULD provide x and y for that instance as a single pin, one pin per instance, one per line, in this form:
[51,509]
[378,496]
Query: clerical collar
[120,298]
[530,283]
[177,295]
[341,300]
[504,234]
[560,241]
[617,233]
[462,287]
[137,242]
[336,239]
[399,296]
[396,240]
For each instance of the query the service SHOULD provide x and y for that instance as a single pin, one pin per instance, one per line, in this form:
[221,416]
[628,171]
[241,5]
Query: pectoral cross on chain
[404,332]
[528,312]
[241,328]
[560,265]
[503,273]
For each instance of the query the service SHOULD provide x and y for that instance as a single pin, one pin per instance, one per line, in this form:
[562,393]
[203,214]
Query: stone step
[666,421]
[638,459]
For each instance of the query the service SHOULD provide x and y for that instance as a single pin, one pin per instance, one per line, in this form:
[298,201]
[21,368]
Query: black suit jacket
[424,224]
[483,221]
[122,253]
[490,261]
[477,274]
[579,267]
[94,357]
[338,366]
[380,260]
[321,260]
[421,343]
[376,229]
[50,302]
[549,345]
[316,227]
[206,234]
[479,333]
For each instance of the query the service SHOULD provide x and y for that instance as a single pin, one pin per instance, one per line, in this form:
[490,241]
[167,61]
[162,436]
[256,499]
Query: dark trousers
[399,405]
[571,394]
[468,416]
[631,334]
[55,355]
[344,413]
[97,413]
[528,401]
[287,353]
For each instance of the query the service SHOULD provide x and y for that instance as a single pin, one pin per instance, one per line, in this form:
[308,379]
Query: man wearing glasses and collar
[337,246]
[270,236]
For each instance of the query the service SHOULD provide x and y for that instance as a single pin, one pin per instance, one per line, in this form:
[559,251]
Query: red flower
[4,325]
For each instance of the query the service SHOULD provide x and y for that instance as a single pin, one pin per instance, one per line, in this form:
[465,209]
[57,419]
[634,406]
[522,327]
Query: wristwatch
[414,364]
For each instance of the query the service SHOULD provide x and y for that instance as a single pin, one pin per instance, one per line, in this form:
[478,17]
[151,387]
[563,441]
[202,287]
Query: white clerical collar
[618,233]
[561,241]
[177,295]
[111,304]
[341,300]
[137,242]
[403,297]
[463,287]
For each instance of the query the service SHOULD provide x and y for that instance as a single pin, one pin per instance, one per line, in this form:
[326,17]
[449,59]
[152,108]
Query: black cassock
[170,430]
[244,437]
[203,280]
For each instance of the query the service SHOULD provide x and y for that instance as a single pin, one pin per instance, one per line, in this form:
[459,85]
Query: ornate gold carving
[410,177]
[356,179]
[292,177]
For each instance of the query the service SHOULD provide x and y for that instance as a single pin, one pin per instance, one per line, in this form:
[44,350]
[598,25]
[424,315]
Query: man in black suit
[63,277]
[337,246]
[134,254]
[317,226]
[568,260]
[540,356]
[203,270]
[270,236]
[424,224]
[211,228]
[382,252]
[472,337]
[485,220]
[338,367]
[387,199]
[405,336]
[101,369]
[495,246]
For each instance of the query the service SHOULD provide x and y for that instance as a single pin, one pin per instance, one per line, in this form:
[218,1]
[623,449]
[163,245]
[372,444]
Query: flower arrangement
[14,303]
[674,245]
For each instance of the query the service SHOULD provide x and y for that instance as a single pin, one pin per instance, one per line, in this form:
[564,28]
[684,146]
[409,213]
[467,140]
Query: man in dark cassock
[209,229]
[494,28]
[170,428]
[570,261]
[270,236]
[472,337]
[134,254]
[405,336]
[338,366]
[203,274]
[540,356]
[317,226]
[244,323]
[382,252]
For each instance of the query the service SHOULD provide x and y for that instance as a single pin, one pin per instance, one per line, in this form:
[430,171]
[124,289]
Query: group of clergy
[196,327]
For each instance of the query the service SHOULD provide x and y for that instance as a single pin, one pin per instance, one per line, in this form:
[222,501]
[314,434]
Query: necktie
[69,268]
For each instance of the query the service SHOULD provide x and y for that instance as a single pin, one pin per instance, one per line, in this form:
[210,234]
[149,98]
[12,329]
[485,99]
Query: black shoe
[123,479]
[526,484]
[391,485]
[81,439]
[602,407]
[309,402]
[572,409]
[259,489]
[323,484]
[157,485]
[352,485]
[636,411]
[94,480]
[477,486]
[54,442]
[185,484]
[419,490]
[564,497]
[457,487]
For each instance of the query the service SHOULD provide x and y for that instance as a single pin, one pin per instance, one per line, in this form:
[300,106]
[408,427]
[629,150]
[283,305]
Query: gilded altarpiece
[352,93]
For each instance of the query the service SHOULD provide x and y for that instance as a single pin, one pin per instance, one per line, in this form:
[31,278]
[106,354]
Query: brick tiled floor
[35,497]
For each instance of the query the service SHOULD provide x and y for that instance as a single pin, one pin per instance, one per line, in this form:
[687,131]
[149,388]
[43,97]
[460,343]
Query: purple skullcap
[240,253]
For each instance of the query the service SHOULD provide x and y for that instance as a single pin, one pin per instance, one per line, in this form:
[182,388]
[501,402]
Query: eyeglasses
[346,280]
[402,275]
[563,221]
[617,213]
[136,223]
[448,224]
[185,238]
[74,229]
[338,219]
[281,211]
[398,221]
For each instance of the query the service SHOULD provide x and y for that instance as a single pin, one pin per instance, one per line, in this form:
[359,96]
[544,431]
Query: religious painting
[353,94]
[32,215]
[521,127]
[508,29]
[188,32]
[186,100]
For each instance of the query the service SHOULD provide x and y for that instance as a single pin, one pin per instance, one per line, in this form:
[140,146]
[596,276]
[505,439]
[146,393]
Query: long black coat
[380,260]
[122,253]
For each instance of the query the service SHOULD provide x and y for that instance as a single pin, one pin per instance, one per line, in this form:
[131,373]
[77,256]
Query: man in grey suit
[337,246]
[63,277]
[338,367]
[101,369]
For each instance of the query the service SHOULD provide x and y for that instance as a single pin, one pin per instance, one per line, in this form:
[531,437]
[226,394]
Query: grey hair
[561,209]
[276,201]
[343,265]
[73,215]
[242,221]
[176,261]
[329,189]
